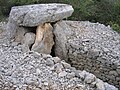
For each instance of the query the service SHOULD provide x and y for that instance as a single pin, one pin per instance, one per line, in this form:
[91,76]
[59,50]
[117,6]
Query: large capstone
[33,15]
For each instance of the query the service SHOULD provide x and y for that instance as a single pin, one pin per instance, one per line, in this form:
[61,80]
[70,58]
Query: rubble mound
[88,46]
[35,71]
[29,37]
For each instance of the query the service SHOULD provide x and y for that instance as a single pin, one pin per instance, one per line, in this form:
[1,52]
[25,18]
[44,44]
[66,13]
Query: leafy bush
[115,26]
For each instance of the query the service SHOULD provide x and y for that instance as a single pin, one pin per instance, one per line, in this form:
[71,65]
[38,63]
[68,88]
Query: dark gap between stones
[31,29]
[30,47]
[53,48]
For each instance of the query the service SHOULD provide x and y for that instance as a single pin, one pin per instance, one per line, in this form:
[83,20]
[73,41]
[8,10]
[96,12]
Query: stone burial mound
[89,46]
[31,32]
[35,71]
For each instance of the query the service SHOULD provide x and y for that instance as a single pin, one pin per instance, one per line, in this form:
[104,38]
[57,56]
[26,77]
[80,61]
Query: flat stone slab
[33,15]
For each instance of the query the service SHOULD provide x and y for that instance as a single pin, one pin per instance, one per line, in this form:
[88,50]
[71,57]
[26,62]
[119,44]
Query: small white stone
[90,78]
[56,59]
[100,85]
[46,83]
[66,65]
[62,74]
[38,71]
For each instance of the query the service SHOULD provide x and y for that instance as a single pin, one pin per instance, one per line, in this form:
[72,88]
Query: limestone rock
[90,78]
[100,85]
[62,74]
[11,28]
[57,60]
[89,46]
[118,70]
[109,87]
[28,41]
[83,74]
[58,67]
[29,38]
[61,32]
[19,36]
[49,62]
[33,15]
[66,65]
[46,43]
[70,75]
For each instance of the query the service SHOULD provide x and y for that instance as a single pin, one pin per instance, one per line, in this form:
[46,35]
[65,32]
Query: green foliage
[5,6]
[103,11]
[22,2]
[115,26]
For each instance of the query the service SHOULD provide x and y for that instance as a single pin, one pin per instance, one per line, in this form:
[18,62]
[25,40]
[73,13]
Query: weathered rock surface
[33,15]
[25,19]
[35,71]
[89,46]
[28,41]
[46,42]
[20,34]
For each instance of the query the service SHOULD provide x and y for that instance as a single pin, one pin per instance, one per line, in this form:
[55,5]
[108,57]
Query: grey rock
[20,33]
[29,38]
[118,70]
[49,62]
[66,65]
[70,75]
[100,85]
[60,33]
[62,74]
[109,87]
[28,41]
[11,28]
[90,78]
[38,71]
[72,69]
[77,73]
[56,60]
[58,67]
[14,43]
[113,73]
[46,83]
[83,74]
[93,53]
[33,15]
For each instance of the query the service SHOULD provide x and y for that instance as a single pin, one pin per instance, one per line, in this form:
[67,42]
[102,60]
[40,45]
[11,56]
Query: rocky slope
[35,71]
[89,46]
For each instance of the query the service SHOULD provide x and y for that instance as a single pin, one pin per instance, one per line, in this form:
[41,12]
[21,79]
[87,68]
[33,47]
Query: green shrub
[115,26]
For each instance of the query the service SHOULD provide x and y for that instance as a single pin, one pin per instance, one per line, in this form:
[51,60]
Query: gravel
[36,71]
[88,46]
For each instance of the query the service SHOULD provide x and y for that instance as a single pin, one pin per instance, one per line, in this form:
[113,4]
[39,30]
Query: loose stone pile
[76,42]
[35,71]
[89,46]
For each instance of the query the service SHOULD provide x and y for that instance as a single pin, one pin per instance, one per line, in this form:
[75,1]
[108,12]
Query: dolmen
[31,25]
